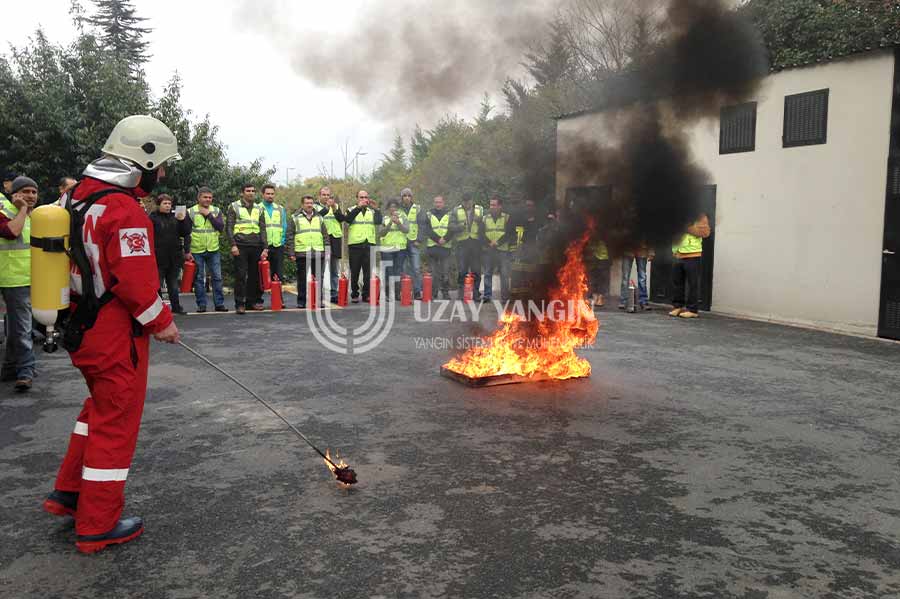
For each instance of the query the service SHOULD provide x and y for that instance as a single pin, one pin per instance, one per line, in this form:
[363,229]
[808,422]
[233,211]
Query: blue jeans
[397,259]
[214,262]
[18,360]
[414,266]
[643,296]
[495,260]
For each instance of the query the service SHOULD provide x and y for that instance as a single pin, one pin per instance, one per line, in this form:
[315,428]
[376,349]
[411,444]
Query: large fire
[542,347]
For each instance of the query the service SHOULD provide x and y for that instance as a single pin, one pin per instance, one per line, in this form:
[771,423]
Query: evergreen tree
[121,31]
[418,145]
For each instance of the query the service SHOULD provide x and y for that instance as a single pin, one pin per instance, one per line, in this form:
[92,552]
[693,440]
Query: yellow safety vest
[440,227]
[412,220]
[520,235]
[335,229]
[362,229]
[203,237]
[246,221]
[494,229]
[472,231]
[690,244]
[274,226]
[308,233]
[15,254]
[394,240]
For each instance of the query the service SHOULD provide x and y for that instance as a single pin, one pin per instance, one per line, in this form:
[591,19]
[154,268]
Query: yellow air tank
[49,267]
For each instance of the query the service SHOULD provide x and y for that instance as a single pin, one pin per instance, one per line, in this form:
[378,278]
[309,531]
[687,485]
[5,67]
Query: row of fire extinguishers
[273,286]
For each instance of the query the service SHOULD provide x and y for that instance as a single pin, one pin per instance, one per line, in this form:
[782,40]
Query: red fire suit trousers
[114,363]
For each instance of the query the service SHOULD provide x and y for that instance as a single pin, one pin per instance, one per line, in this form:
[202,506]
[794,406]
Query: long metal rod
[260,400]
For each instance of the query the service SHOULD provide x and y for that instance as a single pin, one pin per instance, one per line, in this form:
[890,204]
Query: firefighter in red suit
[112,352]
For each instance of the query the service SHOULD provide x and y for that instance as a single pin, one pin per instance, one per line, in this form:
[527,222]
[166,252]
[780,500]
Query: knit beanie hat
[21,182]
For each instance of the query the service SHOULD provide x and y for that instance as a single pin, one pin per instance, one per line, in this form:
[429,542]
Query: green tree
[122,31]
[804,31]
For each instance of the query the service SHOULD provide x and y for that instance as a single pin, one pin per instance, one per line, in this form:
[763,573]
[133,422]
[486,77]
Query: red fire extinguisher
[187,276]
[374,291]
[468,288]
[265,276]
[405,290]
[426,287]
[343,290]
[277,302]
[312,292]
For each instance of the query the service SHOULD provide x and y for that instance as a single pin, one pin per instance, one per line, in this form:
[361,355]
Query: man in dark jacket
[172,241]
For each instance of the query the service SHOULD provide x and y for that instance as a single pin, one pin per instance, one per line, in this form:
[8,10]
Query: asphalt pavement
[713,458]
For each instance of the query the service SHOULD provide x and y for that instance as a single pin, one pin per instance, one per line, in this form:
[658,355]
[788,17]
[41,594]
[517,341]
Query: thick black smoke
[710,57]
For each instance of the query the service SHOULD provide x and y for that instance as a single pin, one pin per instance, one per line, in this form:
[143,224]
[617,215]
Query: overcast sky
[233,70]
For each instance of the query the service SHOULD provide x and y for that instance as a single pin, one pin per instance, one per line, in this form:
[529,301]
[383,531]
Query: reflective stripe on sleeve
[150,313]
[104,475]
[81,428]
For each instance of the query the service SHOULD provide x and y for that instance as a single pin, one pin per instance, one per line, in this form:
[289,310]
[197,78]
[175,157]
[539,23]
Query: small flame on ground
[339,468]
[545,347]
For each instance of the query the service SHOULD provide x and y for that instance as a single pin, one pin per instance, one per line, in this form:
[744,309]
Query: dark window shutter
[806,119]
[737,128]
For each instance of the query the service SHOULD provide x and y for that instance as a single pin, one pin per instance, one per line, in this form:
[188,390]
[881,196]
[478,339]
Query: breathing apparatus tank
[49,268]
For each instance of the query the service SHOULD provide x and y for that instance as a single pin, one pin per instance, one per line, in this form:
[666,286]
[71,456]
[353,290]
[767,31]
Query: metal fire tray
[493,380]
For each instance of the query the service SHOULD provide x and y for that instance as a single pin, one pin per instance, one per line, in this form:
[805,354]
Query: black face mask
[148,181]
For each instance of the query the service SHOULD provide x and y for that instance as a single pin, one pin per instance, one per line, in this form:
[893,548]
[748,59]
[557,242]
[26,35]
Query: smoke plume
[407,60]
[710,57]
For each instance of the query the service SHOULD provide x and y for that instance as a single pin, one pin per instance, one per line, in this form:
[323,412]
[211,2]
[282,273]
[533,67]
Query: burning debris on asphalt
[341,470]
[505,356]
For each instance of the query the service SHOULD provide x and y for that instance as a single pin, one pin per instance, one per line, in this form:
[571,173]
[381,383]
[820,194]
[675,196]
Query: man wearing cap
[117,309]
[15,280]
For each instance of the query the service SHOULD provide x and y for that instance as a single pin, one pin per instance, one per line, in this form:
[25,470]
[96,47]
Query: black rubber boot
[61,503]
[126,530]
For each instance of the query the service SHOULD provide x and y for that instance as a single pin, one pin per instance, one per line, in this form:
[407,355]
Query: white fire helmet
[143,140]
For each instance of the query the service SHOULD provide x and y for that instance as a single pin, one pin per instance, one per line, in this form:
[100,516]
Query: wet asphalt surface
[717,458]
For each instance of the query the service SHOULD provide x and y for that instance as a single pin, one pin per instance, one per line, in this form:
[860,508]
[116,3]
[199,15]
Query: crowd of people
[478,241]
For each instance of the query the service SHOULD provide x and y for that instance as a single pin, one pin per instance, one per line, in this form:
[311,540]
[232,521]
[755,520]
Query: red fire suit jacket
[118,239]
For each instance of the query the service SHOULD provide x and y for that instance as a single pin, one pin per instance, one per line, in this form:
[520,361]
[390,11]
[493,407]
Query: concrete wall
[799,231]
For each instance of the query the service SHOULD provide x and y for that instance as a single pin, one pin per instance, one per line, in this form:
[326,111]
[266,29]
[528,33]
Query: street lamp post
[287,174]
[356,163]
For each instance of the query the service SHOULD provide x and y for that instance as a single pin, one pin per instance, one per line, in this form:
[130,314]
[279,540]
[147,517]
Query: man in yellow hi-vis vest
[466,223]
[15,280]
[329,209]
[207,221]
[307,236]
[497,235]
[688,267]
[439,235]
[414,218]
[245,227]
[276,229]
[362,235]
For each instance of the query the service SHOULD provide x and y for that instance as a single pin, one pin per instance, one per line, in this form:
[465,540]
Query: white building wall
[799,231]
